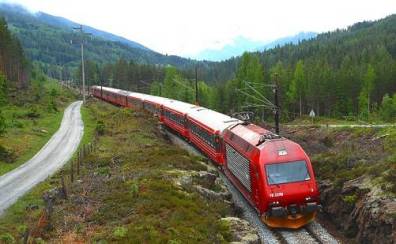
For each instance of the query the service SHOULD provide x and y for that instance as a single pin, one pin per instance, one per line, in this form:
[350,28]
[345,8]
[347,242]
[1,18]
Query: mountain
[46,39]
[63,22]
[289,40]
[238,46]
[241,44]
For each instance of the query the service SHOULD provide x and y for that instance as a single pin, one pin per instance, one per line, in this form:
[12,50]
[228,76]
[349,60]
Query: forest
[13,64]
[348,74]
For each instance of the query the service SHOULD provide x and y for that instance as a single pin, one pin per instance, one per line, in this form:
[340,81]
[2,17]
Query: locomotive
[274,174]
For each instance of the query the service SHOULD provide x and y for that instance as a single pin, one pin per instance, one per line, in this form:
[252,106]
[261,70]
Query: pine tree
[365,93]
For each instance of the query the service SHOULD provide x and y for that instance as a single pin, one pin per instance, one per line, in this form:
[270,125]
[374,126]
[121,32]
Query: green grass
[31,123]
[126,191]
[88,118]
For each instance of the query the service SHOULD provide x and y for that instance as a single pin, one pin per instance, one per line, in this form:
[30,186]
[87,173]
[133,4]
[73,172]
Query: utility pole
[276,100]
[82,58]
[196,85]
[101,88]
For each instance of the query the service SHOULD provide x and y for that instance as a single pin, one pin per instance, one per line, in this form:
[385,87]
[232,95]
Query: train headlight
[276,203]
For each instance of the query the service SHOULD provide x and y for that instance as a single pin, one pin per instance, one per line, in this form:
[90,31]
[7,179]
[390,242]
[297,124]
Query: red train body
[274,174]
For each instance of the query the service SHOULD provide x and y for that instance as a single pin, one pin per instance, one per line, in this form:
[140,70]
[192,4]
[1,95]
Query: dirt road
[58,150]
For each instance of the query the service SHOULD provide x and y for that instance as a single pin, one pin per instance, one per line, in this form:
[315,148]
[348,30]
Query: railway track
[312,233]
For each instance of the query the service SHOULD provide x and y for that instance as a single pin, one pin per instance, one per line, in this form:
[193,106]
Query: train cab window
[289,172]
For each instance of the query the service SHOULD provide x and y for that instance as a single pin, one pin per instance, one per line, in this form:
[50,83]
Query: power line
[249,95]
[257,92]
[183,85]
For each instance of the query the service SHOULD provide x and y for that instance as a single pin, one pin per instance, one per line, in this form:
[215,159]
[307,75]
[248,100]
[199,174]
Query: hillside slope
[331,73]
[135,188]
[47,39]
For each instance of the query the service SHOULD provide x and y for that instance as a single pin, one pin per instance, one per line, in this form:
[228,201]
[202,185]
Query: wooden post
[78,165]
[26,236]
[63,186]
[71,172]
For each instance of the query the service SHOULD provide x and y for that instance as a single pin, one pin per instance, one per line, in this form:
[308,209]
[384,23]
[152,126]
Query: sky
[187,27]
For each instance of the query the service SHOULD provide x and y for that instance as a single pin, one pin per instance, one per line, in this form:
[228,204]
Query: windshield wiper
[273,181]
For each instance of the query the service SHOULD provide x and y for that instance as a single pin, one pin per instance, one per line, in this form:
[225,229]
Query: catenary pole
[196,85]
[276,100]
[82,58]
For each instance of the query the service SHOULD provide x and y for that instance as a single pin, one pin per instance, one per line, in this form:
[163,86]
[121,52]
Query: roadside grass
[125,192]
[31,121]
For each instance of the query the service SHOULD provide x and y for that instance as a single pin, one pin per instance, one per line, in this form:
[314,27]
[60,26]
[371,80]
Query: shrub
[39,241]
[3,124]
[134,189]
[120,232]
[350,199]
[22,229]
[174,242]
[7,238]
[33,113]
[388,108]
[52,106]
[390,177]
[6,155]
[53,92]
[100,127]
[3,89]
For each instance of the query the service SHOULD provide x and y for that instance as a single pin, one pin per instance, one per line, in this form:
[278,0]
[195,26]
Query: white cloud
[185,27]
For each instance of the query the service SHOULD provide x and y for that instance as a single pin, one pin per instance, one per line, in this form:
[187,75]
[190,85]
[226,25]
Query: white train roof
[213,119]
[137,95]
[179,106]
[110,89]
[156,99]
[210,118]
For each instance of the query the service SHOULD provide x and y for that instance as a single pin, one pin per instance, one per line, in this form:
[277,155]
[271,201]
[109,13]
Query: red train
[274,174]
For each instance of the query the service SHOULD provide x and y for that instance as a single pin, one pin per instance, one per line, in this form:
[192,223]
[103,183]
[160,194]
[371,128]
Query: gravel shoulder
[47,161]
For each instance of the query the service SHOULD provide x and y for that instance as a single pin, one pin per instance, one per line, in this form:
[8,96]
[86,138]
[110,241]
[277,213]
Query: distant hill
[242,44]
[47,40]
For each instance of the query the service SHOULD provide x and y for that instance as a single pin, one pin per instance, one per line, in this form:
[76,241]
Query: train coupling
[292,216]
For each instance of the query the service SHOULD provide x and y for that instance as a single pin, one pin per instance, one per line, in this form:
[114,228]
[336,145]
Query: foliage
[298,87]
[3,89]
[176,86]
[3,123]
[120,232]
[365,93]
[132,154]
[388,108]
[7,238]
[339,70]
[350,199]
[100,127]
[29,123]
[12,60]
[50,45]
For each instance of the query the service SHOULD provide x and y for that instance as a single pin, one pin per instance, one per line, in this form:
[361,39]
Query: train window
[174,117]
[289,172]
[204,136]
